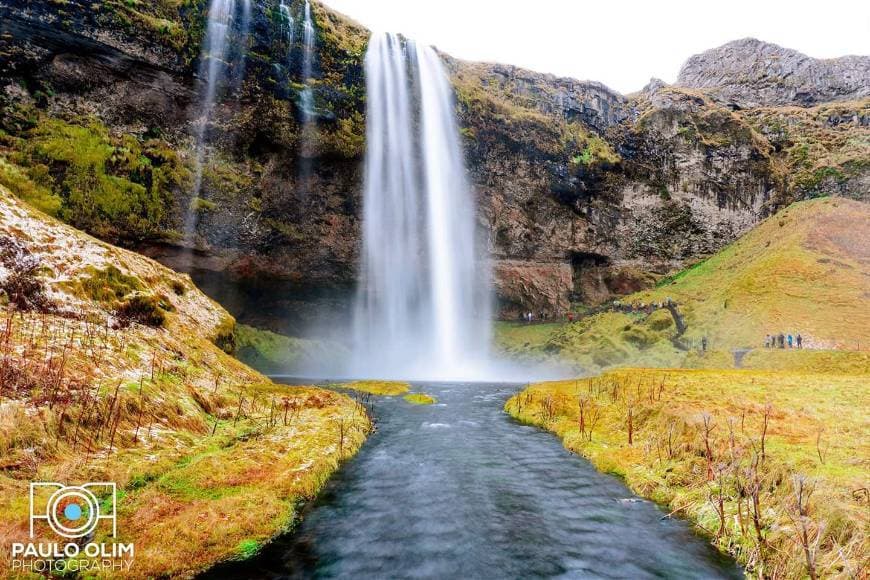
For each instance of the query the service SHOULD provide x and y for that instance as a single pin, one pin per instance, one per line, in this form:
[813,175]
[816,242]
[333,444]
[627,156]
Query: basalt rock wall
[583,193]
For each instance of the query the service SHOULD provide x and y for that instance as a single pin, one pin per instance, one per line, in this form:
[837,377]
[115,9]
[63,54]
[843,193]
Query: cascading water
[423,309]
[213,67]
[308,138]
[220,16]
[307,66]
[287,24]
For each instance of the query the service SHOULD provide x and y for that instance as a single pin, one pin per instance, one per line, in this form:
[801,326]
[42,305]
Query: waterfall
[287,24]
[308,137]
[307,58]
[214,67]
[423,308]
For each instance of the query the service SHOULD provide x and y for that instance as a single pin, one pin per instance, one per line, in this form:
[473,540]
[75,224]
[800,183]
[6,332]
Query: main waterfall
[424,303]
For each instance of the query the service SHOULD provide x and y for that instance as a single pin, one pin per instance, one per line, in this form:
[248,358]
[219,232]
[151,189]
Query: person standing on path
[790,341]
[800,341]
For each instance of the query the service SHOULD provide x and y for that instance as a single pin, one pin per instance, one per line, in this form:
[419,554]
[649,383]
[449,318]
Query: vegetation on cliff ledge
[119,188]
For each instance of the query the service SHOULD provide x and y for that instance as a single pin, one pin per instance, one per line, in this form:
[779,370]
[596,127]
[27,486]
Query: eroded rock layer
[584,193]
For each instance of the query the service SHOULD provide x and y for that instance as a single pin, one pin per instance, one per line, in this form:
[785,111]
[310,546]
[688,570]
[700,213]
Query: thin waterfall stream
[215,68]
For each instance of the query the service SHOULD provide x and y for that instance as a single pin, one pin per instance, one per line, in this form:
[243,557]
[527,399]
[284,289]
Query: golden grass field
[420,399]
[698,445]
[804,270]
[383,388]
[211,459]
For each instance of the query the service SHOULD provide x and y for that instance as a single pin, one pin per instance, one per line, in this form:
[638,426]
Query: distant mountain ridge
[752,73]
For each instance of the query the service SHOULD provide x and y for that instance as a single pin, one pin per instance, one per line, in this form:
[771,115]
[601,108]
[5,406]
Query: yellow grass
[420,399]
[818,429]
[384,388]
[809,361]
[210,458]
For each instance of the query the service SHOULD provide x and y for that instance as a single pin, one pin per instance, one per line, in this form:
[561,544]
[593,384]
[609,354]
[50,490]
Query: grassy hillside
[113,368]
[805,270]
[729,450]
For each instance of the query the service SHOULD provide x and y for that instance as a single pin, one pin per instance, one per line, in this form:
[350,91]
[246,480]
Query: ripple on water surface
[466,492]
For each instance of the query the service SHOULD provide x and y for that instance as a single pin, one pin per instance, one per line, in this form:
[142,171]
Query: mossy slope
[211,459]
[803,270]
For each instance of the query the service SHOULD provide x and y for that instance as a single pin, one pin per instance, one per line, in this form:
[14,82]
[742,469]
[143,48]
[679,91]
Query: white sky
[620,43]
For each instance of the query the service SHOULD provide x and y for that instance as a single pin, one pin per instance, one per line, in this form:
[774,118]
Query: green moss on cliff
[588,149]
[29,189]
[820,150]
[115,187]
[175,24]
[491,111]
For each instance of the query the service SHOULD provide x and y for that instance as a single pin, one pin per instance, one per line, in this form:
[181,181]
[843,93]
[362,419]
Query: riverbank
[115,369]
[457,489]
[772,466]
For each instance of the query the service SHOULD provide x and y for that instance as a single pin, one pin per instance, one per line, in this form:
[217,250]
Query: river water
[461,490]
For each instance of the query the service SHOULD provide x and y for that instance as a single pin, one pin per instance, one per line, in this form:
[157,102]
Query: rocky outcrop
[583,193]
[591,103]
[751,73]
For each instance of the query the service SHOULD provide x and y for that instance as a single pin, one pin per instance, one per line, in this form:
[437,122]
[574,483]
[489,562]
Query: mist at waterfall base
[423,309]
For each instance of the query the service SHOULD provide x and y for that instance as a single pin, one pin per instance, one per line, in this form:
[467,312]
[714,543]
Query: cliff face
[585,193]
[751,73]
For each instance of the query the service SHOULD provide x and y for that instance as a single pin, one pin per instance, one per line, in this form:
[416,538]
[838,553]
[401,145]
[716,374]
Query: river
[461,490]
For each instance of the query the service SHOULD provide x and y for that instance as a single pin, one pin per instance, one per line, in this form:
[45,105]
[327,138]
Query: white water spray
[307,63]
[213,67]
[287,24]
[424,304]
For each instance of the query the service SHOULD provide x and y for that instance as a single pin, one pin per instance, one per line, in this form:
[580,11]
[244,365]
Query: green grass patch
[420,399]
[384,388]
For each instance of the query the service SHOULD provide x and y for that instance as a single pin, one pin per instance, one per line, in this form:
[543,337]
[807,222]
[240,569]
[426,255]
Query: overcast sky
[620,43]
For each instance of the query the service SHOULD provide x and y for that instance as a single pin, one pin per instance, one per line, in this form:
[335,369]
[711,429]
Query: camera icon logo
[73,511]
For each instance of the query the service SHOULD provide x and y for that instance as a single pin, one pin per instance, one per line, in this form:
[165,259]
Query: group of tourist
[529,317]
[783,340]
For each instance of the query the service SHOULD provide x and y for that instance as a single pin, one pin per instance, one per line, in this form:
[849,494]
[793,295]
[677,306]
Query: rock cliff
[752,73]
[584,193]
